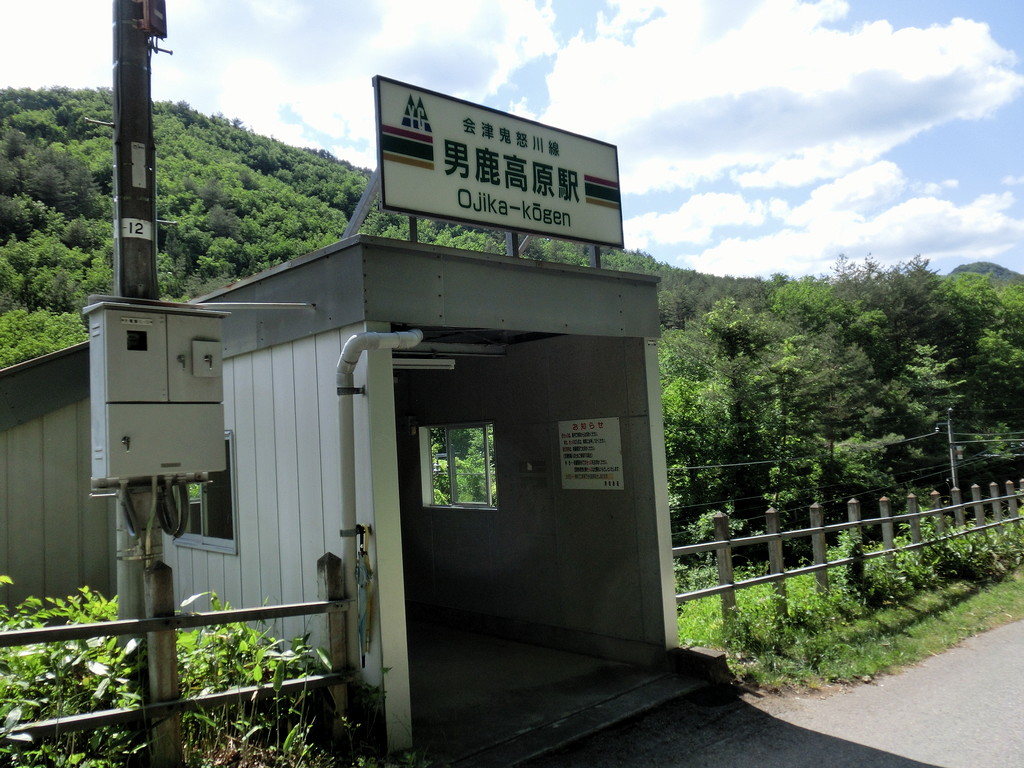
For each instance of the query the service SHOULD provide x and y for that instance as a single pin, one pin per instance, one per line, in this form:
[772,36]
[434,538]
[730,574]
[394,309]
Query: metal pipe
[351,351]
[232,305]
[360,342]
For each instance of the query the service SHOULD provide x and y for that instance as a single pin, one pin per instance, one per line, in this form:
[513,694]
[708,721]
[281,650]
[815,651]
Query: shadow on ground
[716,727]
[486,702]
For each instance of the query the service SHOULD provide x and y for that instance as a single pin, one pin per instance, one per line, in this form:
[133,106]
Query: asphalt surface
[962,709]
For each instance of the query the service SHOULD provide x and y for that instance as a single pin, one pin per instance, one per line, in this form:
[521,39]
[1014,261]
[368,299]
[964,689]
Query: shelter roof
[445,291]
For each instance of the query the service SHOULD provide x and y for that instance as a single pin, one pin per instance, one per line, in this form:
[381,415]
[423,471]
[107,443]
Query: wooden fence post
[885,510]
[915,522]
[1011,503]
[958,512]
[818,545]
[853,514]
[165,735]
[724,558]
[331,586]
[997,507]
[776,561]
[979,509]
[940,519]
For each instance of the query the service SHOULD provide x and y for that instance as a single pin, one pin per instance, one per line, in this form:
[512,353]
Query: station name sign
[441,157]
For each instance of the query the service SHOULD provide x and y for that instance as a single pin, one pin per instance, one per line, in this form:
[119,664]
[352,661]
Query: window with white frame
[458,466]
[211,508]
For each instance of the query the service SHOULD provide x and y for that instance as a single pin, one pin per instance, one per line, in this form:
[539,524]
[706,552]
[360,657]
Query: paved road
[963,709]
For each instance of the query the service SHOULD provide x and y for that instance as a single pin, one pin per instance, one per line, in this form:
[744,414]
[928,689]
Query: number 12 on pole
[139,228]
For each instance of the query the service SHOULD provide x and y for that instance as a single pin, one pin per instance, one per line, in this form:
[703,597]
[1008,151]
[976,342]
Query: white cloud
[787,251]
[627,16]
[854,195]
[35,54]
[926,226]
[695,221]
[806,166]
[469,50]
[301,71]
[934,188]
[938,229]
[776,95]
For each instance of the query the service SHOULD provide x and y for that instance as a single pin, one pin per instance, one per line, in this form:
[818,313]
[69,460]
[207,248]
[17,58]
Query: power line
[909,476]
[994,440]
[852,448]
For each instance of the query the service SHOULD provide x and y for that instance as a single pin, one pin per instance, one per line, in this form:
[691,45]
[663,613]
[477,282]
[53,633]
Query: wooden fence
[161,712]
[957,519]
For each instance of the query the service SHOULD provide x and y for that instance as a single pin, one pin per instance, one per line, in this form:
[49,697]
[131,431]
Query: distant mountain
[988,268]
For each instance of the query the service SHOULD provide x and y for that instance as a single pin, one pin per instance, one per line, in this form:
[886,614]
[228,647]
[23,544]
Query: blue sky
[754,136]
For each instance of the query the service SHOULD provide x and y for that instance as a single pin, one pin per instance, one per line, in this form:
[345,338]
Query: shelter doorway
[529,607]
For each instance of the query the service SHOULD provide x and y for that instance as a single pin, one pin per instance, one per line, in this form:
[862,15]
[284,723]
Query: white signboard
[445,158]
[591,454]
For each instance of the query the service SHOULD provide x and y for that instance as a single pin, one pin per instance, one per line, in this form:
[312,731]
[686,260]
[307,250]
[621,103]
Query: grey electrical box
[157,391]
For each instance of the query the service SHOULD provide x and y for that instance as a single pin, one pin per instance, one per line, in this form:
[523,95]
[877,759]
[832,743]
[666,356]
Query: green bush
[49,680]
[884,580]
[847,630]
[979,557]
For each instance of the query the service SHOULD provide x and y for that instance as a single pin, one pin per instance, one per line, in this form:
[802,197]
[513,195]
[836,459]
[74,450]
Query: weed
[880,612]
[48,680]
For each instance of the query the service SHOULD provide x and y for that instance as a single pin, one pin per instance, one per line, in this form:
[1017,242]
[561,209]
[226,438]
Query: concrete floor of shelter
[479,700]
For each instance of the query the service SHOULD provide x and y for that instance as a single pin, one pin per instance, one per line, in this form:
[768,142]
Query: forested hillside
[777,392]
[821,389]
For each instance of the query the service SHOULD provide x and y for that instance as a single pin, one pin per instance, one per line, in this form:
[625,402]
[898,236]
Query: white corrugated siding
[281,405]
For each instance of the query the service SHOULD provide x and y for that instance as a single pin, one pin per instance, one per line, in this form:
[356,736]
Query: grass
[837,637]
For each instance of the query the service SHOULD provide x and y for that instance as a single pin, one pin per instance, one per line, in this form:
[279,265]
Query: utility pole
[135,23]
[952,449]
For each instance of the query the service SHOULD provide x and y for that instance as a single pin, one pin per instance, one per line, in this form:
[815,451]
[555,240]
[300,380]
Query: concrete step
[557,734]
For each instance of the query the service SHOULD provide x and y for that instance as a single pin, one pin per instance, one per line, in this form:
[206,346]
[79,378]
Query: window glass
[211,508]
[460,460]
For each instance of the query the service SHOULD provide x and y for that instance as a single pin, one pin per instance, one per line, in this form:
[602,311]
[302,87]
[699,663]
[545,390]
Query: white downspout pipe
[351,351]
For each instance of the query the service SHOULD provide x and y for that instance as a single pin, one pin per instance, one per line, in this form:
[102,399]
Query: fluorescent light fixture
[423,363]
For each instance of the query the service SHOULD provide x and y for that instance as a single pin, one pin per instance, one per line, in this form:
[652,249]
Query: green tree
[25,335]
